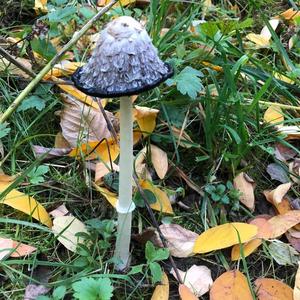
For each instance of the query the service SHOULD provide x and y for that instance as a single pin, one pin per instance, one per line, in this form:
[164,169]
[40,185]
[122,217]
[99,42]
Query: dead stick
[53,61]
[11,59]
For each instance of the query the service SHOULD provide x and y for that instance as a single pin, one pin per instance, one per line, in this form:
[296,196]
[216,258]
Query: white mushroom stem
[125,206]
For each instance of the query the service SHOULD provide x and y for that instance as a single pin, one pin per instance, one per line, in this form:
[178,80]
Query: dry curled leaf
[224,236]
[275,196]
[180,241]
[196,278]
[81,123]
[230,285]
[245,185]
[270,289]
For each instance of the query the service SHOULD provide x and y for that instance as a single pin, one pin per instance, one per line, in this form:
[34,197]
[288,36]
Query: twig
[155,223]
[53,61]
[11,59]
[286,106]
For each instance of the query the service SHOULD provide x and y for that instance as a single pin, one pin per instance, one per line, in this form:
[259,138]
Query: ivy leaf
[32,102]
[93,289]
[188,82]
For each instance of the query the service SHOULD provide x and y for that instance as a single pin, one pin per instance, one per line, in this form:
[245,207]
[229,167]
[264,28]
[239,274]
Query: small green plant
[222,194]
[36,175]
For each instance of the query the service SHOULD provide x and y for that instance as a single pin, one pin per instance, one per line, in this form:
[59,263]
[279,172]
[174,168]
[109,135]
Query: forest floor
[216,152]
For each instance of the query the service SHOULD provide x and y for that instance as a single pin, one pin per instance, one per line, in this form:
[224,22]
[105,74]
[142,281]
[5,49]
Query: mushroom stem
[125,206]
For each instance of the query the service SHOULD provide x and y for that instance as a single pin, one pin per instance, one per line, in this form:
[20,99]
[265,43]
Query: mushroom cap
[123,63]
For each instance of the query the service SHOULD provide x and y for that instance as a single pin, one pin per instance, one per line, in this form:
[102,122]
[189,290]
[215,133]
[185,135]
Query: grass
[224,122]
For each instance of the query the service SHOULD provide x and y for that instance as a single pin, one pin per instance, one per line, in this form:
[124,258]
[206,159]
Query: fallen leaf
[283,253]
[284,153]
[63,68]
[246,186]
[274,115]
[7,66]
[196,278]
[106,150]
[278,225]
[224,236]
[230,285]
[180,241]
[161,291]
[159,160]
[61,142]
[271,289]
[146,118]
[275,196]
[48,153]
[26,204]
[120,2]
[289,14]
[81,123]
[102,169]
[295,242]
[185,293]
[59,211]
[265,32]
[14,249]
[294,169]
[277,172]
[32,291]
[296,291]
[162,203]
[108,195]
[66,228]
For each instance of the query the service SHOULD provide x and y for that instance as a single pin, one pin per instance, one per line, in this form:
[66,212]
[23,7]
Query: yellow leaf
[81,96]
[258,39]
[271,289]
[290,14]
[109,196]
[249,248]
[224,236]
[66,228]
[211,66]
[161,291]
[274,115]
[106,150]
[296,291]
[162,203]
[230,285]
[63,68]
[40,5]
[146,118]
[120,2]
[283,78]
[26,204]
[159,160]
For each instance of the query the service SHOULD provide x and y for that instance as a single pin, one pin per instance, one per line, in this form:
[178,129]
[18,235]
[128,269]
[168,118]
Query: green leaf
[153,254]
[139,200]
[44,48]
[62,14]
[188,82]
[32,102]
[36,174]
[135,270]
[59,292]
[156,272]
[93,289]
[4,130]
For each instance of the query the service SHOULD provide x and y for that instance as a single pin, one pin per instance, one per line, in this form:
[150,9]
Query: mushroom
[123,63]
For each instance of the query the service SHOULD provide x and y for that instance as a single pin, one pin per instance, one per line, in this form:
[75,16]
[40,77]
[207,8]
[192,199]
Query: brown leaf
[275,196]
[230,285]
[196,278]
[82,123]
[180,241]
[159,160]
[48,153]
[245,185]
[270,289]
[59,211]
[296,292]
[278,225]
[185,293]
[60,141]
[14,249]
